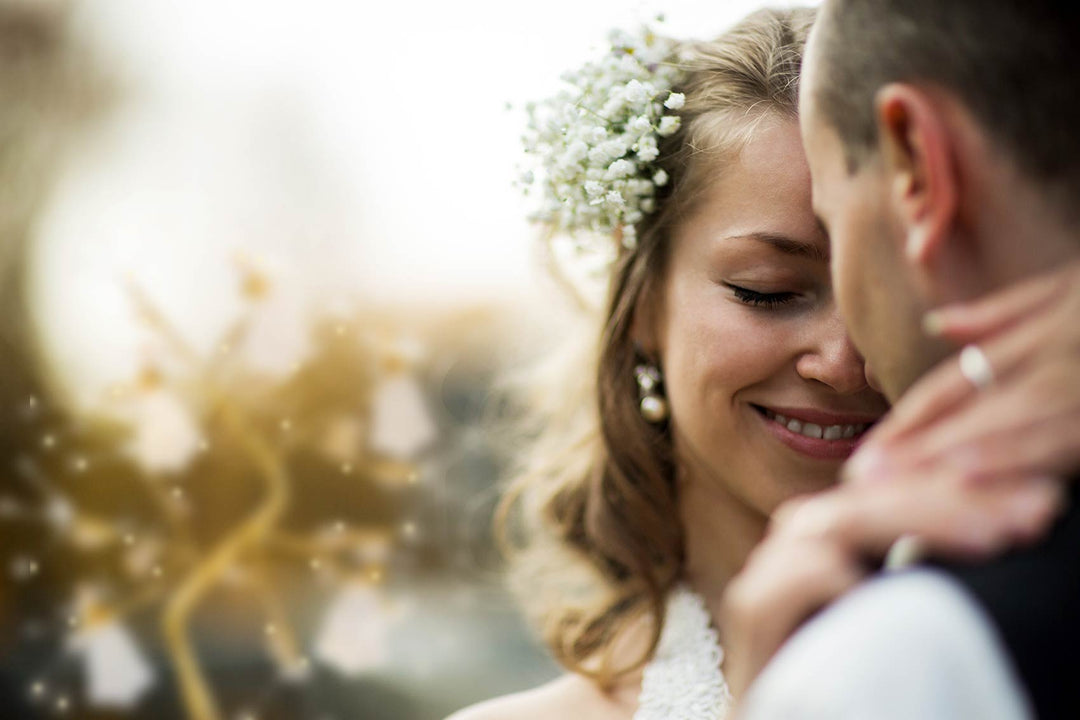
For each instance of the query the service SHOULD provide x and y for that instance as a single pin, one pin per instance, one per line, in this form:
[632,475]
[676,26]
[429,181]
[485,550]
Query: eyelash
[762,300]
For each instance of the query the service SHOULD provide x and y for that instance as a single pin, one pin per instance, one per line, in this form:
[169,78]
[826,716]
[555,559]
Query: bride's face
[767,394]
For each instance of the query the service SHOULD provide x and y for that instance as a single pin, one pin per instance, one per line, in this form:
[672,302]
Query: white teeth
[830,432]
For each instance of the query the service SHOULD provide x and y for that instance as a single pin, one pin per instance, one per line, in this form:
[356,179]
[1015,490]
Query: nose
[831,359]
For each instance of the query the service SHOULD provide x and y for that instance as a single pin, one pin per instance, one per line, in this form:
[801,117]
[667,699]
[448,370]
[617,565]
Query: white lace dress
[683,681]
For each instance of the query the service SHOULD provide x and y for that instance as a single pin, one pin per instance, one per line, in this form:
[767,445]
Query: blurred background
[264,275]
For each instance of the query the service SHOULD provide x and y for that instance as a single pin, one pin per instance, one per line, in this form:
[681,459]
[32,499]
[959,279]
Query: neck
[1025,237]
[721,530]
[1014,229]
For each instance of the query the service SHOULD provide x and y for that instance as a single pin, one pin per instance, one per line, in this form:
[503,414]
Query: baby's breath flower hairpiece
[595,143]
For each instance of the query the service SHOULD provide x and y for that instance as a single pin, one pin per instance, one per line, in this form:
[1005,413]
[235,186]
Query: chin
[797,483]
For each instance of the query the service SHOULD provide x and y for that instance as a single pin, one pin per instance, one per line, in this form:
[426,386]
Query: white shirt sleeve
[903,646]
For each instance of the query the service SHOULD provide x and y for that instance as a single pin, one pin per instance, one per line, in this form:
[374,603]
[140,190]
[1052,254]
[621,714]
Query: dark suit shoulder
[1032,595]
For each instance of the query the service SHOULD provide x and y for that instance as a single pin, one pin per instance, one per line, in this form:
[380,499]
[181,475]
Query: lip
[823,417]
[817,448]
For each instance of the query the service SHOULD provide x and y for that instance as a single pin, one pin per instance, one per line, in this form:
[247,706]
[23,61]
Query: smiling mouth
[813,430]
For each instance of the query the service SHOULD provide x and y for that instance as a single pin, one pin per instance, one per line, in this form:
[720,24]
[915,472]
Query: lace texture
[683,681]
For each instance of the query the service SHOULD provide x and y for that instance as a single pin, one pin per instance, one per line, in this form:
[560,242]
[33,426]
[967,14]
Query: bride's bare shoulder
[566,696]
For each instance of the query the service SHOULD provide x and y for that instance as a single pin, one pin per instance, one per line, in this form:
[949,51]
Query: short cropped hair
[1013,63]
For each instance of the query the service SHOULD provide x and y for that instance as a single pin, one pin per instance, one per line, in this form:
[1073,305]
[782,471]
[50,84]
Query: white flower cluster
[594,144]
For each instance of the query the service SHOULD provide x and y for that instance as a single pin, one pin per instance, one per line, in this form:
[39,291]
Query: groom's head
[944,144]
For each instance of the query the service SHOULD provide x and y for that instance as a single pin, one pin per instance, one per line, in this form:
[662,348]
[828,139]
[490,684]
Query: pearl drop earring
[652,405]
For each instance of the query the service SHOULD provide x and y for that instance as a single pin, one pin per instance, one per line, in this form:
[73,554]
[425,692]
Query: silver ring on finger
[975,367]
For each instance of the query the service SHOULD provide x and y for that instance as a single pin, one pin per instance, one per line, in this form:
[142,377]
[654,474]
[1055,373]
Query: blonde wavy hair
[591,523]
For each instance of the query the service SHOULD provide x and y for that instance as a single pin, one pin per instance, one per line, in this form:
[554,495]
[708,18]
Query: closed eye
[760,299]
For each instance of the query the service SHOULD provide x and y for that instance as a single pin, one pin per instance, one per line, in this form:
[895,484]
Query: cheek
[846,275]
[853,273]
[714,348]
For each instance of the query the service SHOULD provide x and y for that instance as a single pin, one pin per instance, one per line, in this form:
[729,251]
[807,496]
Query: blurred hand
[1027,423]
[969,472]
[820,546]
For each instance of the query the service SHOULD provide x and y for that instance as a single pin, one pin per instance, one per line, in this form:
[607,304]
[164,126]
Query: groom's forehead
[808,70]
[810,120]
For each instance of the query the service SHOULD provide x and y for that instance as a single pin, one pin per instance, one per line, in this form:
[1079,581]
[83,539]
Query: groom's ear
[922,181]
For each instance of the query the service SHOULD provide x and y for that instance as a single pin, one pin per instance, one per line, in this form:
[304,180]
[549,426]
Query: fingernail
[933,323]
[1042,500]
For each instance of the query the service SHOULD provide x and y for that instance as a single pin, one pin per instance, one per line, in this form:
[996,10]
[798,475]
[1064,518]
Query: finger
[1049,448]
[945,389]
[953,519]
[811,555]
[782,585]
[1034,418]
[966,322]
[783,581]
[809,561]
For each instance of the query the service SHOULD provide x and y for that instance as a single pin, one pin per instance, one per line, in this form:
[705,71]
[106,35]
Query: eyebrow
[788,245]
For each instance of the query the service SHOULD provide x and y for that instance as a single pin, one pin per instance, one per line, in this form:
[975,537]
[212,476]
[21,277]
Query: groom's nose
[831,359]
